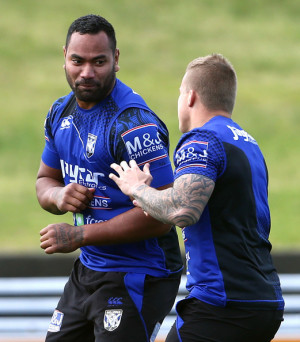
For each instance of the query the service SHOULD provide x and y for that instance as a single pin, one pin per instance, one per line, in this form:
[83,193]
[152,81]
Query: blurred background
[157,39]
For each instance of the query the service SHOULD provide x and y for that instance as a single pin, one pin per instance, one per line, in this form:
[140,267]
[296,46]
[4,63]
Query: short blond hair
[214,79]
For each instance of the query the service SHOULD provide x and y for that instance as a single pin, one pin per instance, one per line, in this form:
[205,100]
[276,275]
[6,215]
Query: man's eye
[99,62]
[76,61]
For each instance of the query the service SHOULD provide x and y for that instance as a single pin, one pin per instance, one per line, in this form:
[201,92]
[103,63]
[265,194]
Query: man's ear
[117,55]
[191,98]
[65,52]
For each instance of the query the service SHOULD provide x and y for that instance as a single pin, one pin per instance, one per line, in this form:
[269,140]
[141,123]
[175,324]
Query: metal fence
[27,304]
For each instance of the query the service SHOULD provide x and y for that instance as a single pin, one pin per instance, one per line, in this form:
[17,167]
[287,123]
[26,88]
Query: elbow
[185,223]
[186,218]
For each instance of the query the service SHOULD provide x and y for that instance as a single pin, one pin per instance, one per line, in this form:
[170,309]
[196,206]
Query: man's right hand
[130,176]
[72,197]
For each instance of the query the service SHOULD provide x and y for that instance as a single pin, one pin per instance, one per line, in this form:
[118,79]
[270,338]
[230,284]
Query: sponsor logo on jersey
[237,133]
[112,319]
[66,123]
[81,175]
[56,321]
[80,219]
[90,145]
[90,220]
[192,154]
[100,202]
[144,144]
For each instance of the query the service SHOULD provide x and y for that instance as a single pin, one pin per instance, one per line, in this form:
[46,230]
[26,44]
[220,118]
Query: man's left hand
[61,238]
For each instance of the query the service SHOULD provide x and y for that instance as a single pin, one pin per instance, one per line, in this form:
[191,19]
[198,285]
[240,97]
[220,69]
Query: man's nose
[87,71]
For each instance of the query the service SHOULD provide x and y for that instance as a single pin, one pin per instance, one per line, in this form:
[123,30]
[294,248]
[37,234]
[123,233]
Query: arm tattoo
[181,205]
[69,238]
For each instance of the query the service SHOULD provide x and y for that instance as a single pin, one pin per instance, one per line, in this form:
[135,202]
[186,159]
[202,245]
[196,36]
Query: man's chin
[88,96]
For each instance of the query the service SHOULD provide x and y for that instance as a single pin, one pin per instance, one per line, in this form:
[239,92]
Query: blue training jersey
[227,250]
[84,143]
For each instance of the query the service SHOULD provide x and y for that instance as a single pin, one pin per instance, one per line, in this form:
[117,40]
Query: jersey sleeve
[50,156]
[138,134]
[201,153]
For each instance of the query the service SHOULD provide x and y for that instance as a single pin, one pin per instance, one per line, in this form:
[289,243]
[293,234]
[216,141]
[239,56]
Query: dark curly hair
[92,24]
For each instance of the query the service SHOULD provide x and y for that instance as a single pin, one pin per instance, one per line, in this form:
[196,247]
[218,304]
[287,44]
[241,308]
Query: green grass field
[157,39]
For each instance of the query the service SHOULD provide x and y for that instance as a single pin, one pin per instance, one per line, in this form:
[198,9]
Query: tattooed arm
[181,205]
[62,237]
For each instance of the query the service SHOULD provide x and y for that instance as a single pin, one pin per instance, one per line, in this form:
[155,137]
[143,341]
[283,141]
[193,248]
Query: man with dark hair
[93,24]
[126,279]
[220,200]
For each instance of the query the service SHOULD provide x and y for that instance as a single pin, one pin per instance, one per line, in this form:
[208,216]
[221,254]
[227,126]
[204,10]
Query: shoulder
[133,110]
[199,136]
[125,96]
[202,150]
[135,118]
[58,106]
[139,116]
[58,103]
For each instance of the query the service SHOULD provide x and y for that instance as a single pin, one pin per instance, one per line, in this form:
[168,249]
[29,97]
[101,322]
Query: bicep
[46,171]
[192,193]
[194,186]
[47,178]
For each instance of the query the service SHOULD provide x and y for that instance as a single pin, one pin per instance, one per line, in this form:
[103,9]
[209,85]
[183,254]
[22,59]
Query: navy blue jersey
[227,250]
[84,143]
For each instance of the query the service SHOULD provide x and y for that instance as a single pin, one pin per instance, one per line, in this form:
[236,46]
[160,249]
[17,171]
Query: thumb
[90,193]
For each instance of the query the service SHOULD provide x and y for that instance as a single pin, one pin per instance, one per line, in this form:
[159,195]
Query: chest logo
[90,145]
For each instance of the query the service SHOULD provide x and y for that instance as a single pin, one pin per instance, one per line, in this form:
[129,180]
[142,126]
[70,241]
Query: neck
[205,116]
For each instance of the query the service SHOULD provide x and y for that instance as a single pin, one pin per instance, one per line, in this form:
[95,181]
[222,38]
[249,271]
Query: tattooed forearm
[68,239]
[181,205]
